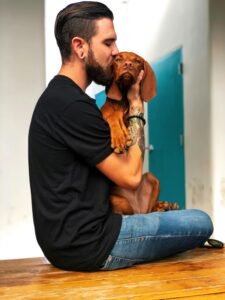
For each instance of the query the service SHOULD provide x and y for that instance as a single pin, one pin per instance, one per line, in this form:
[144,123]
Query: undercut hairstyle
[78,19]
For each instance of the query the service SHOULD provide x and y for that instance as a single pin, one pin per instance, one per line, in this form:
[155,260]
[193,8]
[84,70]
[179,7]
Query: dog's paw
[117,150]
[120,143]
[128,142]
[165,206]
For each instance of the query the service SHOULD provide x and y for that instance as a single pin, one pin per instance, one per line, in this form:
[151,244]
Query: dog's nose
[128,63]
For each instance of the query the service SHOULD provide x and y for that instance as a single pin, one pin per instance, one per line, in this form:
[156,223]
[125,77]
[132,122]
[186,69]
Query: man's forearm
[136,127]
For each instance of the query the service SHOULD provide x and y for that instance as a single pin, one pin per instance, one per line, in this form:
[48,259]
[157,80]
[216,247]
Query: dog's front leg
[120,138]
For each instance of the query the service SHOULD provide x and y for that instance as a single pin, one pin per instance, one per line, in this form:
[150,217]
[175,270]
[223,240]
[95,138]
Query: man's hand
[133,94]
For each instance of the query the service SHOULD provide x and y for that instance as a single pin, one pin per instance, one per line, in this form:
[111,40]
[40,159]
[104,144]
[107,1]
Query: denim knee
[204,220]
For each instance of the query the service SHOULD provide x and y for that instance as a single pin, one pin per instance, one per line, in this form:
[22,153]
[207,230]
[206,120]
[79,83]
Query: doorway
[166,129]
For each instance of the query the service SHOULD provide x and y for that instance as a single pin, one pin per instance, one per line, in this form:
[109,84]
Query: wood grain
[195,274]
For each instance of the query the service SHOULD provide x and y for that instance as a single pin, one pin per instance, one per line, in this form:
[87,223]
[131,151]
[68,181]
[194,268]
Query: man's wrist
[136,110]
[139,117]
[138,113]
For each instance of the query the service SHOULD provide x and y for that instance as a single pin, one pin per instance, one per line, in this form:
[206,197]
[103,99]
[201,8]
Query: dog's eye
[118,59]
[137,61]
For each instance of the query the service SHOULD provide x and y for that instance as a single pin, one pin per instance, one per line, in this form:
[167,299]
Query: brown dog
[126,68]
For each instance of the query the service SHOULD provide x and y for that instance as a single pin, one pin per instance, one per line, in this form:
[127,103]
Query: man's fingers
[140,76]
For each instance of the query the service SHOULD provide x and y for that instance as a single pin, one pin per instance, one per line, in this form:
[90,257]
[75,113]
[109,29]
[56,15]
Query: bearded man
[72,165]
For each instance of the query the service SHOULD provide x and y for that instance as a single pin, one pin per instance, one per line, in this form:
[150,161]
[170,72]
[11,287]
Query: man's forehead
[105,28]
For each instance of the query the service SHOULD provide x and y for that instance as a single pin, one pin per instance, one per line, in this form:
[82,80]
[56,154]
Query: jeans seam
[158,237]
[125,258]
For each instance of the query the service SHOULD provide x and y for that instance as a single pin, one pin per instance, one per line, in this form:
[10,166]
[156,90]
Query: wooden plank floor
[196,274]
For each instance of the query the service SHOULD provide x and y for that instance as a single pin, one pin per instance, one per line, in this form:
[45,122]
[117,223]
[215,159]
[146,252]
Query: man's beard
[97,73]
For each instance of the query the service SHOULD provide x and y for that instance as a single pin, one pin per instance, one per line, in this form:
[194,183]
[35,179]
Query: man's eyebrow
[110,40]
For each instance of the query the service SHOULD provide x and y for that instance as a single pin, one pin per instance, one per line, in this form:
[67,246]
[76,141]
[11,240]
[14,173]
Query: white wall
[22,79]
[217,9]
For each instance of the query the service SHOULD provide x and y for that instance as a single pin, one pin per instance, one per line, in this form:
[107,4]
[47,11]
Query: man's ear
[79,47]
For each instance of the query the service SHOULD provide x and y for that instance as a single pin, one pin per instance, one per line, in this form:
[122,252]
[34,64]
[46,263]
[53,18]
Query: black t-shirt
[74,224]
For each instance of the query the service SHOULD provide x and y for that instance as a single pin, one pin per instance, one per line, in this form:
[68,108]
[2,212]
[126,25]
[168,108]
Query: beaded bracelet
[137,116]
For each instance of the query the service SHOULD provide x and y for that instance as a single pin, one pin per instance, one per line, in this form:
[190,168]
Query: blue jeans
[148,237]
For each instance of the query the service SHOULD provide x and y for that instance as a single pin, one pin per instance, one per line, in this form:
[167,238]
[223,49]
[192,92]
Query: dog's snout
[128,63]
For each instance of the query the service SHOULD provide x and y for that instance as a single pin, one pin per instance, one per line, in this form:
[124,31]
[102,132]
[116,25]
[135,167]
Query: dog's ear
[113,92]
[148,83]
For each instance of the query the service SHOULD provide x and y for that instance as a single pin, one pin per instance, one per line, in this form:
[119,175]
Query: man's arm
[126,169]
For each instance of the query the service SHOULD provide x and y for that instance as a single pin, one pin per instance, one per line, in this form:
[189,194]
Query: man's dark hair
[78,19]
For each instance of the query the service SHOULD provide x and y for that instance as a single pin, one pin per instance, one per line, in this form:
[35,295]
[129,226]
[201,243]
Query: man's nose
[115,50]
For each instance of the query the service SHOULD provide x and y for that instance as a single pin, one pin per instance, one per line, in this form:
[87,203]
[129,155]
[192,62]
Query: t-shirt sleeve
[84,130]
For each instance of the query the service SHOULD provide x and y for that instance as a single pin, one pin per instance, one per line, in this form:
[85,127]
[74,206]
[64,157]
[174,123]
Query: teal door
[100,98]
[166,130]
